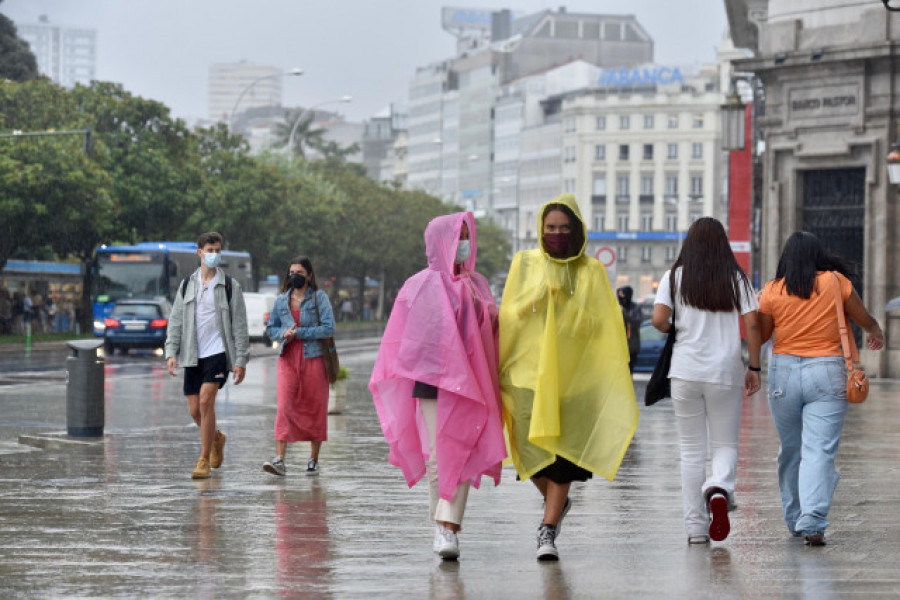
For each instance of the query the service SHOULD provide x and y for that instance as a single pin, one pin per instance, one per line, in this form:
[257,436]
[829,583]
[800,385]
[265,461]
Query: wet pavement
[122,518]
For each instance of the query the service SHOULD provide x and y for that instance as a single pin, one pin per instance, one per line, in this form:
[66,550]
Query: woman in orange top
[807,376]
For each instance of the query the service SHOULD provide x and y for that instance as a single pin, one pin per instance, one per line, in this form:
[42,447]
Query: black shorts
[424,391]
[212,369]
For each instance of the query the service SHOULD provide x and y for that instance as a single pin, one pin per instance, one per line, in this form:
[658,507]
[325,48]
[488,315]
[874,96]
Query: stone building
[831,81]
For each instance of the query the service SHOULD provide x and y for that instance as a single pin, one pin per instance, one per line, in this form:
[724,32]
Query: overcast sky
[369,49]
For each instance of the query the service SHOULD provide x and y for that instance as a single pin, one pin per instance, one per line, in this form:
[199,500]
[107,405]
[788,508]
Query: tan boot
[217,452]
[201,469]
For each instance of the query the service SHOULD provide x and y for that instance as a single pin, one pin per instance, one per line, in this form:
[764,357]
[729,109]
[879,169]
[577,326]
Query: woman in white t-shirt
[711,294]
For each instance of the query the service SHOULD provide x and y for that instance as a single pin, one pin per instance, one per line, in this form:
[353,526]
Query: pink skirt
[302,393]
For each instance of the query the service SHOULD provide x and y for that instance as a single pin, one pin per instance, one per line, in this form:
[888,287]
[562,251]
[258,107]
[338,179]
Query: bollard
[84,389]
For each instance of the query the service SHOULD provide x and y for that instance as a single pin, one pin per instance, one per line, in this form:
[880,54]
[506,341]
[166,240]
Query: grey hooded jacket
[181,334]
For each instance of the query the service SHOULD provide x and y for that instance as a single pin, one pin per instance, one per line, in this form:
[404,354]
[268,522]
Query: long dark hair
[310,277]
[576,238]
[711,278]
[802,257]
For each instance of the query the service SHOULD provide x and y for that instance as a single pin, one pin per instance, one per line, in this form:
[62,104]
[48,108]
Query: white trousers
[706,414]
[441,510]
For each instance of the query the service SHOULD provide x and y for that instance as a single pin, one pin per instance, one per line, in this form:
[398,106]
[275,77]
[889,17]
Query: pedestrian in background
[633,316]
[300,318]
[710,294]
[808,377]
[207,335]
[568,398]
[435,379]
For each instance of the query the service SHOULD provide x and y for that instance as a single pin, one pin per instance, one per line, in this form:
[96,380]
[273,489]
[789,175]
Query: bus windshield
[130,275]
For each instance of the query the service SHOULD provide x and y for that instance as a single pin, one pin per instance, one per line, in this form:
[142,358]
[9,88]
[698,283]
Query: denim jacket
[310,332]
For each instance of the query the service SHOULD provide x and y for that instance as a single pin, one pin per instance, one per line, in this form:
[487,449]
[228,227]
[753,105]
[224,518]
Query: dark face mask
[297,281]
[557,244]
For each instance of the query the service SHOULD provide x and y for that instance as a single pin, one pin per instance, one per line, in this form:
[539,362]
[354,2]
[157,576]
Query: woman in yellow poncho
[568,398]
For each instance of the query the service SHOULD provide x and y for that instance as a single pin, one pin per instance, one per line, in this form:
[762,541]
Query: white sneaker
[448,548]
[546,543]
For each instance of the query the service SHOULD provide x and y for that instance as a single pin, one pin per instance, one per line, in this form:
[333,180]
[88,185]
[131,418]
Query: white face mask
[212,259]
[463,250]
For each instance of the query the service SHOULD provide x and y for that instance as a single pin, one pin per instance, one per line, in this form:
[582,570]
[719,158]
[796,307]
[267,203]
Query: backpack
[184,283]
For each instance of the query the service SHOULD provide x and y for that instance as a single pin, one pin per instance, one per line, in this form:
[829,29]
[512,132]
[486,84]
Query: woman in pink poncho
[435,379]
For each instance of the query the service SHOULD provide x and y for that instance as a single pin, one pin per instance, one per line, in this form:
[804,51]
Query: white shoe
[448,548]
[546,543]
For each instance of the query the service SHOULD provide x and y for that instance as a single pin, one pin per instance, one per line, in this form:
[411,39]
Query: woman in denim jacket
[300,318]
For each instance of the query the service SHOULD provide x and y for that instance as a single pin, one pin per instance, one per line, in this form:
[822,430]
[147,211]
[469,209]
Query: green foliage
[17,62]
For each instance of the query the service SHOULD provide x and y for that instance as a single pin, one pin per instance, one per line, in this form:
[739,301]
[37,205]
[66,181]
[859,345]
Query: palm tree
[305,135]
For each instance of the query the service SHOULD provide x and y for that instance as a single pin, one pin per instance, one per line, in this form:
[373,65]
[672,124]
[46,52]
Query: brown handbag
[857,380]
[329,352]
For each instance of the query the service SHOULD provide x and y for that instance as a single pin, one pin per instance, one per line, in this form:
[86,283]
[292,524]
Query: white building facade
[261,86]
[642,154]
[67,55]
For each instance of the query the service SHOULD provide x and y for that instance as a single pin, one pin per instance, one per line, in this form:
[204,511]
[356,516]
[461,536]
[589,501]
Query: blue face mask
[212,259]
[463,250]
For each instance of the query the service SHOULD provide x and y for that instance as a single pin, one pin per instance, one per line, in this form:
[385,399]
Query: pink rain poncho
[442,331]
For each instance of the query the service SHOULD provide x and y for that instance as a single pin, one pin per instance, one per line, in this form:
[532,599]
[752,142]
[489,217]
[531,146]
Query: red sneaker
[718,511]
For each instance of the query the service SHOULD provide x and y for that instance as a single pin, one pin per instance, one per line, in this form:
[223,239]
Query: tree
[304,134]
[17,61]
[151,158]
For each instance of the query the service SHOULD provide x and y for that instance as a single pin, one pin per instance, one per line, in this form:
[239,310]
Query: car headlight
[99,326]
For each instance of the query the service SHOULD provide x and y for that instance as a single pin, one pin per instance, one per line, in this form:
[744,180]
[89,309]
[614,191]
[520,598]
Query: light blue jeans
[808,400]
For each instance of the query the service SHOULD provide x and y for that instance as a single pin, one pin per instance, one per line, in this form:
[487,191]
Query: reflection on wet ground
[122,518]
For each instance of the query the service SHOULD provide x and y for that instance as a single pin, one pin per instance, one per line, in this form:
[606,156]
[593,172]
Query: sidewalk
[122,518]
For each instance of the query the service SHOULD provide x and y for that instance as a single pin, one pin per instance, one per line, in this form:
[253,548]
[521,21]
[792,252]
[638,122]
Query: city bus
[152,270]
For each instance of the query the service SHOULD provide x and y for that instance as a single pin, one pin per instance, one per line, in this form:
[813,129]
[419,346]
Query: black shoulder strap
[227,287]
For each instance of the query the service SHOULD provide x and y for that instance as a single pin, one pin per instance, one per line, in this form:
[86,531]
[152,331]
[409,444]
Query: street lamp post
[290,142]
[295,72]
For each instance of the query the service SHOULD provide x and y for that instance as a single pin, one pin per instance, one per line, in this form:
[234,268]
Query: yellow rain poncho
[564,375]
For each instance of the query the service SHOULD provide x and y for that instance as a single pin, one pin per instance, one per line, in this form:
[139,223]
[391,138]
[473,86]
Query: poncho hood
[564,377]
[569,201]
[442,240]
[442,331]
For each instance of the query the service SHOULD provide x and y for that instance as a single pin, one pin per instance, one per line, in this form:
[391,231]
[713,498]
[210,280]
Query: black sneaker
[276,467]
[312,467]
[546,543]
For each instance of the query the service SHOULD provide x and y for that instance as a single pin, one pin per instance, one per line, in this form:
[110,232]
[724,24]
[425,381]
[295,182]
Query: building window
[672,185]
[599,185]
[601,123]
[599,222]
[697,122]
[647,185]
[621,255]
[646,254]
[569,154]
[671,221]
[646,221]
[648,151]
[673,121]
[670,254]
[695,215]
[569,186]
[696,186]
[600,152]
[622,221]
[570,125]
[648,121]
[624,122]
[622,186]
[623,151]
[696,150]
[672,151]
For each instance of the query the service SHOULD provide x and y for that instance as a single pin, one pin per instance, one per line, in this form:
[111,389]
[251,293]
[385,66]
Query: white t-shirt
[707,344]
[209,341]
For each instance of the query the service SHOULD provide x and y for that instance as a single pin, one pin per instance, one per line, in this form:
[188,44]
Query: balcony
[623,199]
[598,199]
[646,199]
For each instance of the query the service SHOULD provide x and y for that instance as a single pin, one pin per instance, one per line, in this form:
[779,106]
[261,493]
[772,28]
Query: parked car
[652,342]
[136,324]
[259,306]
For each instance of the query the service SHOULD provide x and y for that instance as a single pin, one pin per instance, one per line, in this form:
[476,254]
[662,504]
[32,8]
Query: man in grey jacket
[207,334]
